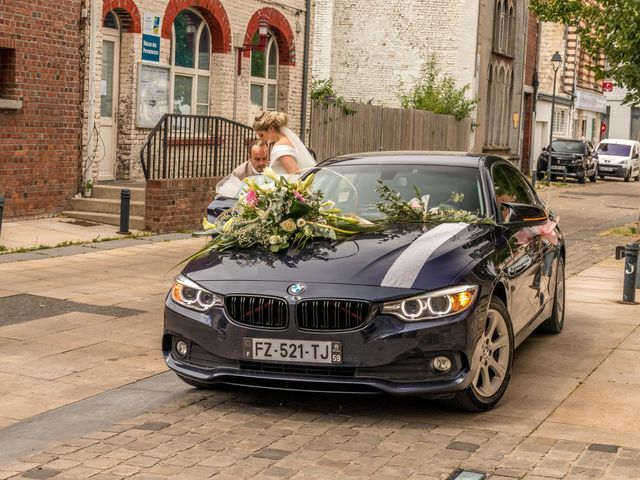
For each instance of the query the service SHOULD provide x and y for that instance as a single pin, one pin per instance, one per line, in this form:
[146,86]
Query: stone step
[113,191]
[135,222]
[105,205]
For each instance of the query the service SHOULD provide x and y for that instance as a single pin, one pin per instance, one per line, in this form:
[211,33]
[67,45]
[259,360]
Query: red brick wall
[172,205]
[40,143]
[531,54]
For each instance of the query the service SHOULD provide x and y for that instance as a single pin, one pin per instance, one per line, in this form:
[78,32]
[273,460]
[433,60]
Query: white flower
[268,172]
[275,240]
[306,230]
[301,222]
[415,204]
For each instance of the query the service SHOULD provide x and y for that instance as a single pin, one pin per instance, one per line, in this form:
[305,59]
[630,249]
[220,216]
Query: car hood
[416,257]
[612,159]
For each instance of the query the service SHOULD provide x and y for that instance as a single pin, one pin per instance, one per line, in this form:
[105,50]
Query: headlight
[191,295]
[439,304]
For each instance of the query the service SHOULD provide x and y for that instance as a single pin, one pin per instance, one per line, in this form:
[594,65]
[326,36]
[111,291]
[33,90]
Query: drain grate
[24,307]
[83,223]
[467,475]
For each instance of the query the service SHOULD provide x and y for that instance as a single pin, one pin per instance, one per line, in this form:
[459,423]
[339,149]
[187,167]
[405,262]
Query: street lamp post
[556,60]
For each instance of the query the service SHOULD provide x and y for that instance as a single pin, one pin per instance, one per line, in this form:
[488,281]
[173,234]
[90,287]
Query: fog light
[182,348]
[441,364]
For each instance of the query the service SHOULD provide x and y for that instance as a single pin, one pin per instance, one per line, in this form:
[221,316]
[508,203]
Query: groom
[257,162]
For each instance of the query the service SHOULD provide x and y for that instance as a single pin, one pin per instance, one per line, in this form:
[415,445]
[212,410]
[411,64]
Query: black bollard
[630,254]
[125,203]
[1,212]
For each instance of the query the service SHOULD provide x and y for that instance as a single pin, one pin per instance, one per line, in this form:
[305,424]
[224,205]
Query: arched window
[190,62]
[264,75]
[504,24]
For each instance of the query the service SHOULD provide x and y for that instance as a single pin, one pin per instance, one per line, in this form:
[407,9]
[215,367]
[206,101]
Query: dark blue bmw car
[415,309]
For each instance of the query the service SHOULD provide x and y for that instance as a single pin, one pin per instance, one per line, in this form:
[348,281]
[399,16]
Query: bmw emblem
[296,289]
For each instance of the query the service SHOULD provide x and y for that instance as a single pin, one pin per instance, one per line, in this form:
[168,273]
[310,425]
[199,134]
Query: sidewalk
[55,231]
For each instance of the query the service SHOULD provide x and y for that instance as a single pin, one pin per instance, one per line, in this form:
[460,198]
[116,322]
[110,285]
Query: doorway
[107,144]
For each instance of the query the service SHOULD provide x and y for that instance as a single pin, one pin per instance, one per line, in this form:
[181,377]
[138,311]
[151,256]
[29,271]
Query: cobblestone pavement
[235,433]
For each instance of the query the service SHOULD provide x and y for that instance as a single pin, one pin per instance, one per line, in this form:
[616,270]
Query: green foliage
[608,27]
[324,92]
[437,93]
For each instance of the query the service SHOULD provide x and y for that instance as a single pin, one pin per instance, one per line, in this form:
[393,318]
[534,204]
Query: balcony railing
[188,146]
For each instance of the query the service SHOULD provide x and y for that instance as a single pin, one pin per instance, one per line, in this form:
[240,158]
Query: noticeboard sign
[153,94]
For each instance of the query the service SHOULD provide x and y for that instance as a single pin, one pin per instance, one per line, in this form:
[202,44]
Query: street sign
[607,86]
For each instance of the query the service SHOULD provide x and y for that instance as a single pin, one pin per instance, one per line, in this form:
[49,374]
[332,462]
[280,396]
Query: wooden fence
[374,128]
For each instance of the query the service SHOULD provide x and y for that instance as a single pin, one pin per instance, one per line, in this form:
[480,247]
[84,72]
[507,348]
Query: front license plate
[302,351]
[606,169]
[557,167]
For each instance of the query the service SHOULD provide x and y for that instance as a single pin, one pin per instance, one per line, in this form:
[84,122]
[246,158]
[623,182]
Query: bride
[288,153]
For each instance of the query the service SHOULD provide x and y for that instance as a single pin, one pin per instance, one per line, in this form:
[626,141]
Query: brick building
[580,105]
[371,50]
[83,82]
[150,57]
[40,105]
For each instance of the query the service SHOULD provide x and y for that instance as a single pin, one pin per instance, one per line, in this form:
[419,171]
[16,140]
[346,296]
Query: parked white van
[619,158]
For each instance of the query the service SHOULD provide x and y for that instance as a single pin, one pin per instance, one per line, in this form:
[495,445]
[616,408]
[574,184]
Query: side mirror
[636,155]
[521,215]
[544,149]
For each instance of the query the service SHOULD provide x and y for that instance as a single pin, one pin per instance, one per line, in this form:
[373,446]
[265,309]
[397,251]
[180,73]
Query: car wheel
[594,178]
[539,175]
[638,177]
[601,177]
[196,383]
[555,322]
[628,177]
[492,360]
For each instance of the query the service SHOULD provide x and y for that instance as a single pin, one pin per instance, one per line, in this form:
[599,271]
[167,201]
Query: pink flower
[548,231]
[298,196]
[251,198]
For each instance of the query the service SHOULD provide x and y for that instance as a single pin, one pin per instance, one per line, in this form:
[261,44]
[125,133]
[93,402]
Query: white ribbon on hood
[404,271]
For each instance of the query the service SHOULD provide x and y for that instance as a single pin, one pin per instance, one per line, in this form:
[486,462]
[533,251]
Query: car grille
[412,368]
[263,312]
[319,370]
[331,314]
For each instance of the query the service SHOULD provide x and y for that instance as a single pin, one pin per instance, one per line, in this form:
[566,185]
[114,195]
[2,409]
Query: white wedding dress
[300,153]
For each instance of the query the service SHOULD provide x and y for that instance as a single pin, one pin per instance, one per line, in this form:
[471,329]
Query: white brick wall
[369,48]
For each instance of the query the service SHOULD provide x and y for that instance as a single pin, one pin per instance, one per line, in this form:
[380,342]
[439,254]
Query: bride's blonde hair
[265,119]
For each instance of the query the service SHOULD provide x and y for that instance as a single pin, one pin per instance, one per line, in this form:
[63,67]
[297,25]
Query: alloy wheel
[493,355]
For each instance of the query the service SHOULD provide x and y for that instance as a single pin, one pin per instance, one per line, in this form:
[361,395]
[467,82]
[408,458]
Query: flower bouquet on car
[279,214]
[417,210]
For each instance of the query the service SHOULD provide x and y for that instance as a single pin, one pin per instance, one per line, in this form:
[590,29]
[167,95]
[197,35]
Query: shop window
[264,75]
[190,63]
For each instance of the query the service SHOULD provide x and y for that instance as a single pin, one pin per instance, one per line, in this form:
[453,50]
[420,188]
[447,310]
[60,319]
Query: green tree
[608,27]
[438,93]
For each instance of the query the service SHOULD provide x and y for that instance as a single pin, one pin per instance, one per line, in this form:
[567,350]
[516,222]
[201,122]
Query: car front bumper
[386,355]
[609,170]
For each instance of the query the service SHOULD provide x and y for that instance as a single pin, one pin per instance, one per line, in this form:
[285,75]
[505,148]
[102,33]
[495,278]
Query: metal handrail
[191,146]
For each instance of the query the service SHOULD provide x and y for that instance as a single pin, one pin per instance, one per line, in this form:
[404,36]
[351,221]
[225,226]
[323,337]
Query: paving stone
[585,472]
[509,473]
[271,454]
[4,474]
[279,472]
[598,447]
[463,446]
[40,473]
[142,461]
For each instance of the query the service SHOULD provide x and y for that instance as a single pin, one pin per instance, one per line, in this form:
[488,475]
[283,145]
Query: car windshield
[614,149]
[564,146]
[353,187]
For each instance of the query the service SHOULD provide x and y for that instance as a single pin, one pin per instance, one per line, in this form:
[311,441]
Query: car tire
[594,178]
[493,361]
[638,177]
[555,322]
[601,177]
[628,177]
[539,175]
[196,383]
